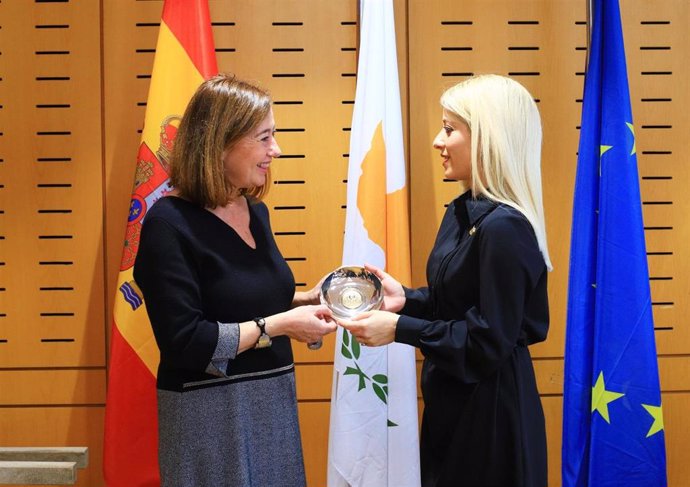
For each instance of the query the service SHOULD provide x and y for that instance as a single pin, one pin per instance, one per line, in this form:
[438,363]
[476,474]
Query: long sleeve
[416,302]
[165,272]
[226,349]
[511,291]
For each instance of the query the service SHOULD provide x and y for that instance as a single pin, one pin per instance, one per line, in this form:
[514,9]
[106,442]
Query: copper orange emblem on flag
[384,214]
[371,196]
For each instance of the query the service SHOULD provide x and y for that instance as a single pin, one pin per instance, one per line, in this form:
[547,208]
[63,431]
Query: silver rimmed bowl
[351,290]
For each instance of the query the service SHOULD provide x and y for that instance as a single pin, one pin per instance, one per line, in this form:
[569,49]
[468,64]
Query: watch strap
[264,340]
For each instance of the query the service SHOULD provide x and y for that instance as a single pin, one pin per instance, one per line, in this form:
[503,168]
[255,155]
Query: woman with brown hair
[222,303]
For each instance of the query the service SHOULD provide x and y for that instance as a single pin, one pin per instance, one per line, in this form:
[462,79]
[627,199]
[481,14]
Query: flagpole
[589,31]
[358,40]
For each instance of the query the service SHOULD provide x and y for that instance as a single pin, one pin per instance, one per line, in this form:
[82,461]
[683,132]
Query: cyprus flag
[373,439]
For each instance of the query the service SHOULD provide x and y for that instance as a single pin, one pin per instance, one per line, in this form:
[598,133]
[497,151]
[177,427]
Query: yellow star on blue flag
[632,130]
[601,398]
[658,424]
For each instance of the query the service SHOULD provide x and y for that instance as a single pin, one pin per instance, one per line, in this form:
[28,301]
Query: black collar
[469,210]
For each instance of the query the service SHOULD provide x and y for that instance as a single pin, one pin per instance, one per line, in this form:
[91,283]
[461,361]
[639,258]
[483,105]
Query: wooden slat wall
[534,43]
[542,44]
[91,97]
[51,258]
[52,330]
[658,49]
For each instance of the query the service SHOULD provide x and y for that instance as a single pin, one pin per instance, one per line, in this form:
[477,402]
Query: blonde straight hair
[506,138]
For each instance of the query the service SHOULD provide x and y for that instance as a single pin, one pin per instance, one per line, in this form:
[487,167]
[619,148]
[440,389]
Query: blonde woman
[486,298]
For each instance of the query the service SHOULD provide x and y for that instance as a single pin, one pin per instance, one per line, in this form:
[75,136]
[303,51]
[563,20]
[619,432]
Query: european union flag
[613,430]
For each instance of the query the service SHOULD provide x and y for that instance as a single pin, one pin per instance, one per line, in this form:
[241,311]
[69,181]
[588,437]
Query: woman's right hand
[303,323]
[393,292]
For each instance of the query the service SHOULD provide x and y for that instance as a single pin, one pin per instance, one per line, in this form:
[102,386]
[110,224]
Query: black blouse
[196,271]
[486,301]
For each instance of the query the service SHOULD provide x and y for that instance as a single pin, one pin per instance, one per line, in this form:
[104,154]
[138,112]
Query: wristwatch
[264,340]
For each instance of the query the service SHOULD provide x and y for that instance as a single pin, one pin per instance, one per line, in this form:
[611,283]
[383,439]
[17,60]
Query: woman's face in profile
[246,163]
[453,140]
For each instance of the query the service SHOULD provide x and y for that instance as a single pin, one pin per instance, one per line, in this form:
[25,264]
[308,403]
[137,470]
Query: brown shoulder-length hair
[222,111]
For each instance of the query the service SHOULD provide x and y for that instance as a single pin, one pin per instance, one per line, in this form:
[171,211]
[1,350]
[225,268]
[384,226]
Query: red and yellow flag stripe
[185,56]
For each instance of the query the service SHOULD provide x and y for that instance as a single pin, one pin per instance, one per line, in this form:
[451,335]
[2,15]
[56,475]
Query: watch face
[351,290]
[264,341]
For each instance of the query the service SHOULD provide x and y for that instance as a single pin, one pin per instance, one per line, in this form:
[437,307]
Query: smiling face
[246,163]
[453,140]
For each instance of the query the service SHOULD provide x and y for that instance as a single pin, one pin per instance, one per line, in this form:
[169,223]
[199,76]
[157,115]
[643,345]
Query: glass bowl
[351,290]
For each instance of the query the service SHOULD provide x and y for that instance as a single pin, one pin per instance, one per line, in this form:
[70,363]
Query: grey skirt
[231,434]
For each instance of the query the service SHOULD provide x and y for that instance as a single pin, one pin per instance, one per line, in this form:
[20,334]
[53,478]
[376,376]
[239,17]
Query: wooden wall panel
[543,45]
[52,310]
[450,43]
[658,46]
[51,303]
[54,387]
[552,412]
[309,66]
[314,418]
[89,110]
[58,426]
[677,431]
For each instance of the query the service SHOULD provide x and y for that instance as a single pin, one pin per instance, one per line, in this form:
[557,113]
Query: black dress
[486,301]
[237,428]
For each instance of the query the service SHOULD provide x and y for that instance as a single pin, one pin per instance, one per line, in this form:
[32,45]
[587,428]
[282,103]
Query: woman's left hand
[373,329]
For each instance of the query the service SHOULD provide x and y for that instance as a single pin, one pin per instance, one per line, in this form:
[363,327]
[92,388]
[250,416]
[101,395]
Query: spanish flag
[185,56]
[373,429]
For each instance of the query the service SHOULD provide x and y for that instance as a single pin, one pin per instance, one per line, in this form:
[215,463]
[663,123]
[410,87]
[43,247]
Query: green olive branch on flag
[351,349]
